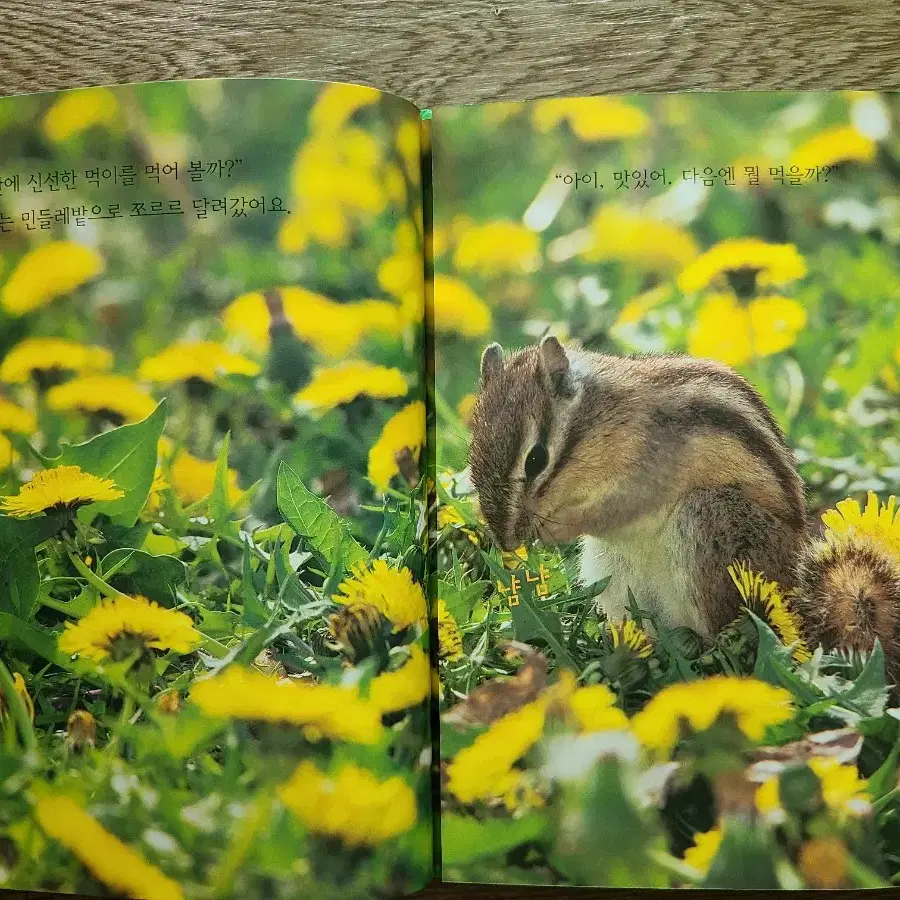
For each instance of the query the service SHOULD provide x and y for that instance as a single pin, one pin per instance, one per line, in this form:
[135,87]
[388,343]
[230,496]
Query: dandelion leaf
[745,859]
[136,572]
[465,839]
[314,520]
[19,576]
[127,455]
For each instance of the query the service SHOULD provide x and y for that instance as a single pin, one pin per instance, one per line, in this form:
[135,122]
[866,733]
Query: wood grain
[435,52]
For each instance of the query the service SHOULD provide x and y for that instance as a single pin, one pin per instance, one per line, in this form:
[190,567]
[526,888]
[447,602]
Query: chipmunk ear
[555,364]
[491,363]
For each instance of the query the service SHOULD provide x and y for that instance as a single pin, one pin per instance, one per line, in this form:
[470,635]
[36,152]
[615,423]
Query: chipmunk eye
[536,461]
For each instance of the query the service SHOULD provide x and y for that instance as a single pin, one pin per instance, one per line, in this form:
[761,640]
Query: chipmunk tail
[849,595]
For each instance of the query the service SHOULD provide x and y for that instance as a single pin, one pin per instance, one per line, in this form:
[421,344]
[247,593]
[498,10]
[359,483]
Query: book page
[667,376]
[213,633]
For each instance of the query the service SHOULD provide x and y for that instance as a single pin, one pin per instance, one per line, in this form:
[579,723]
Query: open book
[360,527]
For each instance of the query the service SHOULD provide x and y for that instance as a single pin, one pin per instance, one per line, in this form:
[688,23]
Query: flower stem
[17,708]
[95,580]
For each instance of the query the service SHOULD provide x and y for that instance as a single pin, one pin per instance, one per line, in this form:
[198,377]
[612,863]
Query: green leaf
[745,859]
[869,690]
[460,600]
[314,520]
[773,664]
[465,839]
[529,622]
[219,506]
[136,572]
[42,643]
[255,612]
[19,577]
[127,455]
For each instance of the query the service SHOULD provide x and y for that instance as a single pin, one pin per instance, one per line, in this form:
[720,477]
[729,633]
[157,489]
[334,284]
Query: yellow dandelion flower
[393,592]
[336,103]
[833,146]
[701,854]
[735,333]
[48,272]
[629,634]
[52,354]
[450,645]
[65,487]
[765,599]
[76,111]
[753,704]
[770,264]
[485,769]
[115,864]
[843,791]
[113,628]
[193,479]
[878,522]
[409,145]
[207,360]
[591,118]
[625,235]
[636,309]
[15,419]
[466,407]
[334,329]
[594,709]
[322,710]
[405,430]
[457,308]
[343,383]
[405,687]
[116,397]
[352,805]
[493,248]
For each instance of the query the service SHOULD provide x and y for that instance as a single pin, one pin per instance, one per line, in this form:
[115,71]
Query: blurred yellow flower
[880,522]
[111,862]
[206,360]
[15,419]
[402,274]
[706,845]
[405,430]
[753,704]
[770,264]
[81,730]
[625,235]
[409,145]
[735,333]
[457,308]
[193,479]
[65,487]
[336,385]
[637,308]
[336,103]
[334,329]
[116,396]
[393,592]
[485,769]
[450,645]
[498,112]
[405,687]
[465,407]
[113,628]
[493,248]
[47,272]
[765,599]
[833,146]
[591,118]
[594,709]
[322,710]
[49,354]
[629,634]
[352,805]
[8,455]
[76,111]
[21,691]
[335,178]
[843,791]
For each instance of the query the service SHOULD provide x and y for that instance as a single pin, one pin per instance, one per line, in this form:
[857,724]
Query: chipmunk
[669,469]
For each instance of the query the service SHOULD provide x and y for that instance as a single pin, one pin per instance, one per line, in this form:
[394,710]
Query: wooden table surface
[437,52]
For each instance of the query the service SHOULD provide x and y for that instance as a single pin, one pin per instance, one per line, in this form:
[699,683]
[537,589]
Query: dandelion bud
[81,730]
[823,863]
[360,629]
[170,702]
